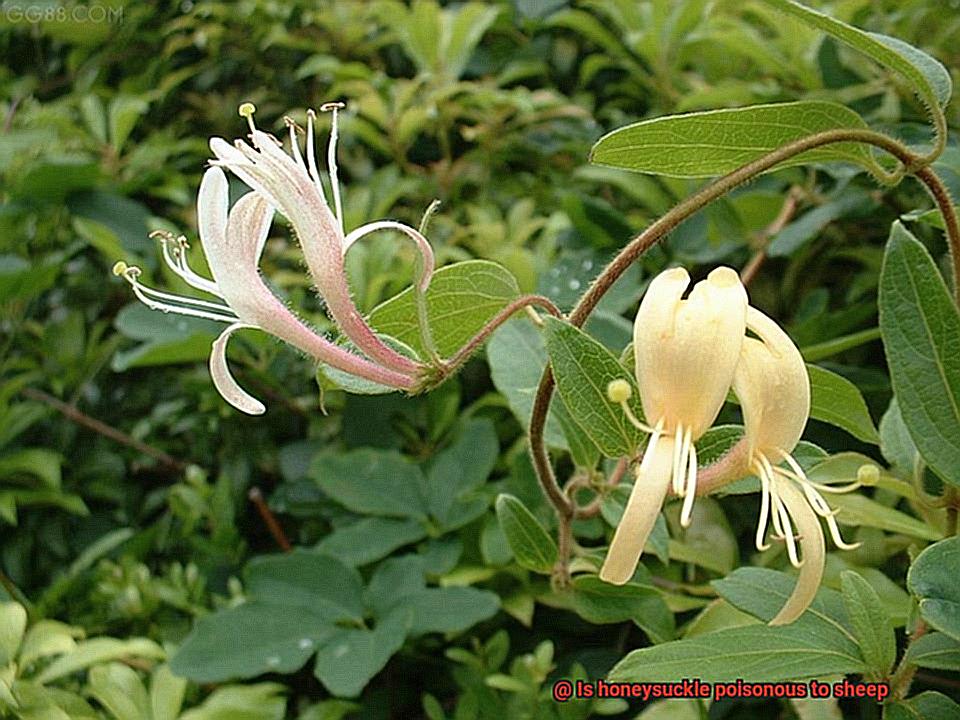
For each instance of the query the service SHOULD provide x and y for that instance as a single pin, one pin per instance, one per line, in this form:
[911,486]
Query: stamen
[676,477]
[294,142]
[837,537]
[178,262]
[168,302]
[791,540]
[247,110]
[651,445]
[334,107]
[764,505]
[311,155]
[687,512]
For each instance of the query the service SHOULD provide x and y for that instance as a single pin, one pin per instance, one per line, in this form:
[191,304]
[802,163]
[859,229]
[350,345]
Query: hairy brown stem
[464,353]
[941,196]
[902,677]
[269,519]
[100,427]
[674,217]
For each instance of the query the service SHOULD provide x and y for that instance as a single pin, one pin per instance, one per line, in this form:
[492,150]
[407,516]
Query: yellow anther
[329,106]
[619,390]
[120,268]
[868,475]
[247,109]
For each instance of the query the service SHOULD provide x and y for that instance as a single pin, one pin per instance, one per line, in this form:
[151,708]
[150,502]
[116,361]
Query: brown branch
[786,213]
[100,427]
[269,519]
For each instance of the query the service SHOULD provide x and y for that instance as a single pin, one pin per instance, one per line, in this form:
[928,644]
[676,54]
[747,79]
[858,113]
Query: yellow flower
[686,352]
[773,386]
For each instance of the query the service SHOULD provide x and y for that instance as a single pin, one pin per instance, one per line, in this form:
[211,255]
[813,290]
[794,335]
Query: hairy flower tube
[773,386]
[233,240]
[686,351]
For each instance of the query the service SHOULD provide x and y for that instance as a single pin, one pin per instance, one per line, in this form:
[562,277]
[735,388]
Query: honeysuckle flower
[685,352]
[773,387]
[292,186]
[233,240]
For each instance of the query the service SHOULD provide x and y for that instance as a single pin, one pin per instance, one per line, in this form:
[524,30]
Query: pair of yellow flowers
[689,353]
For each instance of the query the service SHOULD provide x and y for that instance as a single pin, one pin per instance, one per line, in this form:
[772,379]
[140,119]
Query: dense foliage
[143,521]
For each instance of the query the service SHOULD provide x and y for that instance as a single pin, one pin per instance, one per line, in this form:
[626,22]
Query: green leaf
[929,78]
[836,400]
[40,463]
[99,650]
[449,609]
[118,688]
[935,650]
[307,580]
[758,652]
[372,482]
[13,622]
[461,299]
[871,624]
[583,368]
[927,705]
[352,656]
[260,701]
[921,336]
[798,233]
[715,142]
[532,547]
[933,579]
[896,445]
[517,356]
[166,693]
[455,474]
[249,640]
[166,338]
[600,602]
[370,539]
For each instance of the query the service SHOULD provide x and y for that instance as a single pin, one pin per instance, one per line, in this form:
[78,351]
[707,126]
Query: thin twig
[786,214]
[100,427]
[269,519]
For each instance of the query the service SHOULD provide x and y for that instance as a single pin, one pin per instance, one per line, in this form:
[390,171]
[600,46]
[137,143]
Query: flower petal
[223,380]
[773,386]
[640,515]
[812,549]
[686,350]
[423,245]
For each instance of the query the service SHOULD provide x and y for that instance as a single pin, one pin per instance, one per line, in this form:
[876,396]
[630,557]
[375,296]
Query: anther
[247,110]
[331,106]
[120,268]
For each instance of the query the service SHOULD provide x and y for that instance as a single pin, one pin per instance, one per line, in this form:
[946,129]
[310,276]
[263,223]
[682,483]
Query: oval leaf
[921,336]
[532,547]
[714,142]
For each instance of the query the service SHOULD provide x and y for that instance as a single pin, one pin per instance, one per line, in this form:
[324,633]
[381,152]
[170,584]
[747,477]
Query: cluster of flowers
[688,354]
[233,241]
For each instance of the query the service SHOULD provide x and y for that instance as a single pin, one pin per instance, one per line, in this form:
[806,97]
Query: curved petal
[291,190]
[223,380]
[773,386]
[233,253]
[640,515]
[422,244]
[812,549]
[686,350]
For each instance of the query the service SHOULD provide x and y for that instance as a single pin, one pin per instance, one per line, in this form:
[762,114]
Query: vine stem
[675,216]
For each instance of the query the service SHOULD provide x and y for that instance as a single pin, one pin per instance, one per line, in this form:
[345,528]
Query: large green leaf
[601,602]
[836,400]
[929,78]
[372,482]
[517,357]
[935,650]
[871,624]
[817,644]
[715,142]
[925,706]
[461,299]
[933,579]
[532,547]
[921,335]
[583,368]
